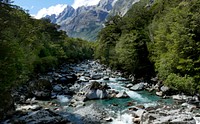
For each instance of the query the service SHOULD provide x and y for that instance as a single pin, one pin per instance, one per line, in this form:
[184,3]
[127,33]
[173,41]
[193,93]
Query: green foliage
[42,64]
[163,36]
[182,84]
[122,43]
[29,46]
[126,50]
[175,46]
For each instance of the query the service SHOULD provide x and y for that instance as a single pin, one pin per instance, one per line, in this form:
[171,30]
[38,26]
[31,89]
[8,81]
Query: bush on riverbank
[183,84]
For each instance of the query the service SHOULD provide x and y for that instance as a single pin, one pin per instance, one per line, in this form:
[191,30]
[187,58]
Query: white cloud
[57,9]
[78,3]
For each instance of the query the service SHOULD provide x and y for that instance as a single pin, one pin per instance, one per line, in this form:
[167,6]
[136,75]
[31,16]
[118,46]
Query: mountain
[86,21]
[122,6]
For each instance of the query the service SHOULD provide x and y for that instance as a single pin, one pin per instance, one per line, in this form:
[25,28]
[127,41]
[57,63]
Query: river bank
[89,92]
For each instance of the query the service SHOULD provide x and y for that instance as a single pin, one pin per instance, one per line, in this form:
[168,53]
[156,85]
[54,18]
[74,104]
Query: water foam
[137,96]
[63,98]
[123,119]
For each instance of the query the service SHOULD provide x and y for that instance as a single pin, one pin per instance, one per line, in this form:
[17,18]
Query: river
[142,105]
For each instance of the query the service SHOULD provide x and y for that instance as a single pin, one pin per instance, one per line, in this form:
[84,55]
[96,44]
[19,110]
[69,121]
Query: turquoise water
[144,98]
[137,98]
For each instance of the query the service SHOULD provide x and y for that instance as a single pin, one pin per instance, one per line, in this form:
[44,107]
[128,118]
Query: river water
[119,111]
[118,107]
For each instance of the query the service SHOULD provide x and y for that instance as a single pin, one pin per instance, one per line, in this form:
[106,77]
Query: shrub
[183,84]
[45,63]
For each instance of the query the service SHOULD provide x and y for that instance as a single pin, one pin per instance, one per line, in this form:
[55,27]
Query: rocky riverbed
[88,93]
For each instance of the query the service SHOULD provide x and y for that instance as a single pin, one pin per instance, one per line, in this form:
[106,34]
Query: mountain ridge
[86,21]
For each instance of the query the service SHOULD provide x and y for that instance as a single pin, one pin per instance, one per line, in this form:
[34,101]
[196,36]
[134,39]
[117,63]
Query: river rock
[63,80]
[42,95]
[57,88]
[72,78]
[108,119]
[137,87]
[41,89]
[56,75]
[96,77]
[27,107]
[137,120]
[20,94]
[92,114]
[164,88]
[129,85]
[43,117]
[95,90]
[139,113]
[87,74]
[122,94]
[180,97]
[106,78]
[197,120]
[68,79]
[159,93]
[97,94]
[170,114]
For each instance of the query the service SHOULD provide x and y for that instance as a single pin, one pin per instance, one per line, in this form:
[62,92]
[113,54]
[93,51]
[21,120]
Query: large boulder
[95,90]
[96,94]
[137,87]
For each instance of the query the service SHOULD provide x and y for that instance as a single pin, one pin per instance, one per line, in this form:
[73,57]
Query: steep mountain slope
[86,21]
[122,6]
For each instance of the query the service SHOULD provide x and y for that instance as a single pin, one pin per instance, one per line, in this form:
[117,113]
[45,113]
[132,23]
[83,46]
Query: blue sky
[40,8]
[35,5]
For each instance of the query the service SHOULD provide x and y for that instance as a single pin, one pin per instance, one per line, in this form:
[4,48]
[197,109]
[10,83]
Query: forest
[29,46]
[156,38]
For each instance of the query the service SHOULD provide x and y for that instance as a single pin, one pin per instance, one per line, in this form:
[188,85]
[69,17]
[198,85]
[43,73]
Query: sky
[41,8]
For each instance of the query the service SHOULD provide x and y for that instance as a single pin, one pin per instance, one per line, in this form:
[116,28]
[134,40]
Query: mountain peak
[105,4]
[86,21]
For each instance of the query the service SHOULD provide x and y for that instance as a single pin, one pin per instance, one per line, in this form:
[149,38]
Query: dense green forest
[29,46]
[160,37]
